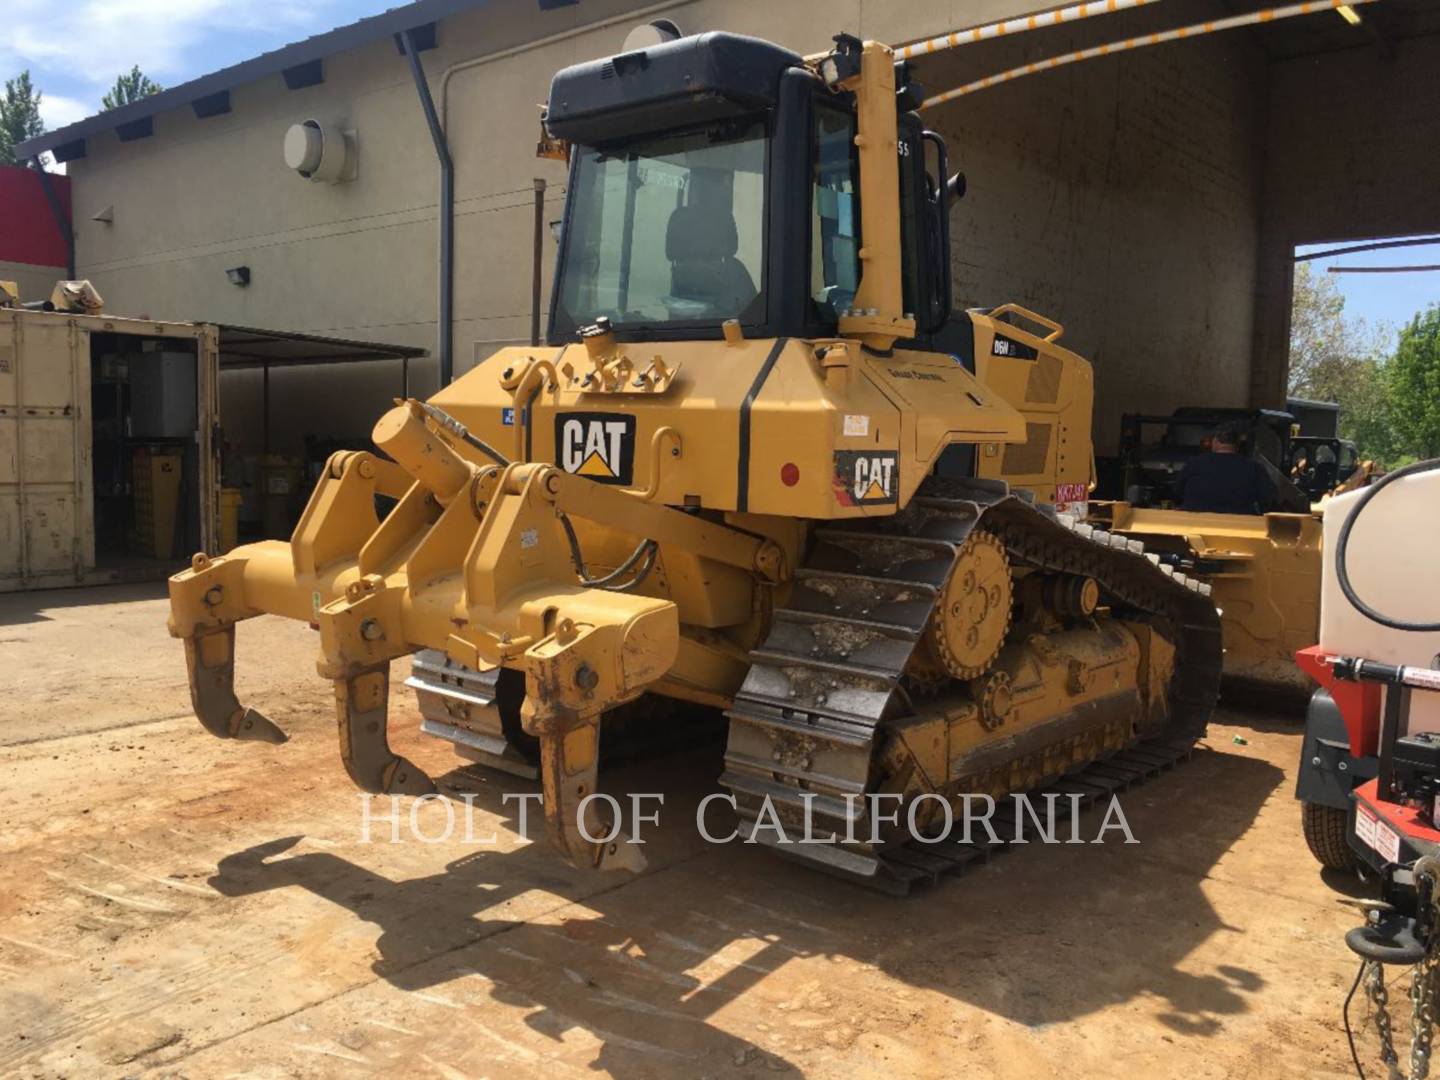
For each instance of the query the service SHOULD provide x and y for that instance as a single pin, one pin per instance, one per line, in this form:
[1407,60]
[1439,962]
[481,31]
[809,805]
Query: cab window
[834,213]
[669,230]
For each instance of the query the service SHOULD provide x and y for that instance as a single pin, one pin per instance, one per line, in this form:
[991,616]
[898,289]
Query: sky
[74,50]
[1383,298]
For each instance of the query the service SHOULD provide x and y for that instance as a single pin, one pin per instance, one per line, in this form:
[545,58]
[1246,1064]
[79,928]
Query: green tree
[1341,358]
[129,87]
[19,116]
[1413,378]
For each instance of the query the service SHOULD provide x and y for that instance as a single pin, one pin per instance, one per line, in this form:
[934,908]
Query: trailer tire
[1325,835]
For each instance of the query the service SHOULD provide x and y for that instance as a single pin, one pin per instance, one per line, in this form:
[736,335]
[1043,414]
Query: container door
[46,529]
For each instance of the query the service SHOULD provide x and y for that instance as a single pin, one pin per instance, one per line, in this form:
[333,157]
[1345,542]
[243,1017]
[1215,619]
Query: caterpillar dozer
[761,465]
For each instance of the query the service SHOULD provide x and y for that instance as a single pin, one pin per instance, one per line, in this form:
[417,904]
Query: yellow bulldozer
[1264,567]
[762,466]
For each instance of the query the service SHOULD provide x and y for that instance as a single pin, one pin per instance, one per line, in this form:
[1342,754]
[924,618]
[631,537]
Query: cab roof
[688,81]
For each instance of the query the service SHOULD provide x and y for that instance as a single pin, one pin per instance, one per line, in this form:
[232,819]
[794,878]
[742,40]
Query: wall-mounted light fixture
[238,275]
[1349,14]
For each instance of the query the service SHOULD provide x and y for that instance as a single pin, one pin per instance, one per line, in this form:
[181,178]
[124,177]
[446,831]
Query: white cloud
[89,42]
[57,110]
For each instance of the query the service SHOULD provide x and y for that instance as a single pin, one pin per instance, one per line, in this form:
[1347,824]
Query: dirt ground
[176,905]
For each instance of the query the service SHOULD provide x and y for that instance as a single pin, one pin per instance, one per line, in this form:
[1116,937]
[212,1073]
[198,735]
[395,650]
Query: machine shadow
[17,608]
[644,963]
[1264,708]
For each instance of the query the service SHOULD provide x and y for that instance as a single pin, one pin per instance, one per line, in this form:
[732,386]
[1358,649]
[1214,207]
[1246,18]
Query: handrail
[1025,313]
[523,387]
[657,452]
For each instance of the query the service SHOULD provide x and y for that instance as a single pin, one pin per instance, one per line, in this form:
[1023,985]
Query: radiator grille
[1028,458]
[1043,385]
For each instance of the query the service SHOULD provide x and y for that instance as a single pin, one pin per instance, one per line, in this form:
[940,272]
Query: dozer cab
[760,465]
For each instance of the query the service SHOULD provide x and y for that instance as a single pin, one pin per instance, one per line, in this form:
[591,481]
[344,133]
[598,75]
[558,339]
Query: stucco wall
[1119,196]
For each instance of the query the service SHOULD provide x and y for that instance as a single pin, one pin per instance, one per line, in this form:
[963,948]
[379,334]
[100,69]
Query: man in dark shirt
[1224,481]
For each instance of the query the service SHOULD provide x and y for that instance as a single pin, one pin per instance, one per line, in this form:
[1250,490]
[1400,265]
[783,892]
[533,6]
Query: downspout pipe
[58,212]
[447,213]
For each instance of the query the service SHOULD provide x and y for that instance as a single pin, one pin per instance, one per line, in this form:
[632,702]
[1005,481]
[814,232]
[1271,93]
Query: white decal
[873,478]
[1364,827]
[592,447]
[1387,842]
[857,425]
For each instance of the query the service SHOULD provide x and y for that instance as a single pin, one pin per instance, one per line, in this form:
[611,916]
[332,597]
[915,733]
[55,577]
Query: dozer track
[829,682]
[915,864]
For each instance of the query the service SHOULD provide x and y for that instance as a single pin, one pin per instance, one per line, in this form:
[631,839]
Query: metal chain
[1380,1000]
[1422,1017]
[1423,981]
[1423,986]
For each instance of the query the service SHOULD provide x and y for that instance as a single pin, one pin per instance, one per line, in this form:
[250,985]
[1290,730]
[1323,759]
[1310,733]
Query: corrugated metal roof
[310,50]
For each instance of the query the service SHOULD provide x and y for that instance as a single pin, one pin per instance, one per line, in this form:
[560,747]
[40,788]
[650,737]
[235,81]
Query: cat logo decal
[866,477]
[600,446]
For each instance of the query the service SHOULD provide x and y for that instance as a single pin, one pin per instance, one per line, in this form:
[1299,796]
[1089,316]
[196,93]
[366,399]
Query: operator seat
[701,246]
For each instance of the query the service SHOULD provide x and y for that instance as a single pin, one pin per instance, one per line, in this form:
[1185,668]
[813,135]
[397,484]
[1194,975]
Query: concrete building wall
[1354,154]
[1119,196]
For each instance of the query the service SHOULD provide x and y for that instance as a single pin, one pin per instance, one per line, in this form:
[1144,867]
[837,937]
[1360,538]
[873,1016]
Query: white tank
[1393,560]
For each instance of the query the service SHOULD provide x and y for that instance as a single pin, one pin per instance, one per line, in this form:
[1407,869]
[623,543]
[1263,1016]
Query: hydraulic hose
[1341,571]
[646,550]
[460,431]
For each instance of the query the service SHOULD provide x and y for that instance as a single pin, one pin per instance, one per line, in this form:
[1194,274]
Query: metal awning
[249,347]
[243,347]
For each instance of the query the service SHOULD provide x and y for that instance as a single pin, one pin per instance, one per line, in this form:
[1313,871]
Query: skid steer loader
[760,466]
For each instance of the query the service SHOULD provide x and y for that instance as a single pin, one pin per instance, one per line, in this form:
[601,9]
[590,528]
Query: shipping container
[110,439]
[88,404]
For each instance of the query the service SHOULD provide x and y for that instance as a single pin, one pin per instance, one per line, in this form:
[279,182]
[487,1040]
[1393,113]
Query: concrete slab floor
[175,905]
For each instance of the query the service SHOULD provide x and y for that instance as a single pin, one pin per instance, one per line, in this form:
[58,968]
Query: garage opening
[1352,303]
